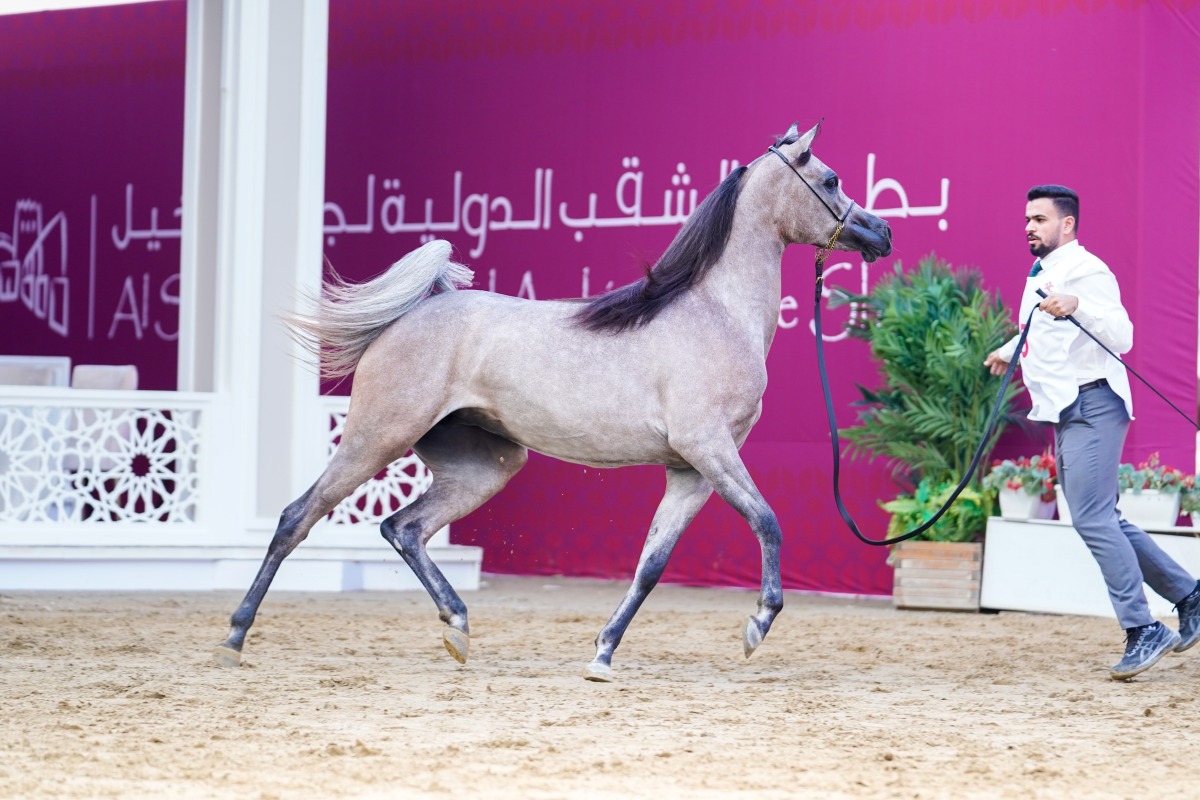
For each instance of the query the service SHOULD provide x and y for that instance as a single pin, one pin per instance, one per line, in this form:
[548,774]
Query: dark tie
[1037,267]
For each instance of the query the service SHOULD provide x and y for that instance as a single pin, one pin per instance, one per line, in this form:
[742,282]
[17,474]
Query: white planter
[1064,511]
[1045,567]
[1019,504]
[1150,508]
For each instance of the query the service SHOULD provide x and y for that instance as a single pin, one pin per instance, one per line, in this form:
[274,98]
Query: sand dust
[352,695]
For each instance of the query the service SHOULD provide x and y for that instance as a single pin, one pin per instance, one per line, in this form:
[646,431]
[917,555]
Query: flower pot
[1150,508]
[937,575]
[1019,504]
[1064,511]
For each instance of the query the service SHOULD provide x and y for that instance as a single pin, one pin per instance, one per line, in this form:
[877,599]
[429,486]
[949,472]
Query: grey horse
[668,370]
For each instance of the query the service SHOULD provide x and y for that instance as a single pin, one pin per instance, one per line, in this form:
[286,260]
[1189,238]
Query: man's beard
[1041,249]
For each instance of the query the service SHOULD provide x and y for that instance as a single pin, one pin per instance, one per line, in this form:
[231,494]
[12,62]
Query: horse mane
[699,245]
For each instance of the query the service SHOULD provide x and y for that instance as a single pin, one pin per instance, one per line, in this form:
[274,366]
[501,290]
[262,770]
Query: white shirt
[1059,356]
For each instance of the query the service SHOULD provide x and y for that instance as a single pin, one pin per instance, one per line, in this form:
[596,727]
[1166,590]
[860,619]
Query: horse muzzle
[868,234]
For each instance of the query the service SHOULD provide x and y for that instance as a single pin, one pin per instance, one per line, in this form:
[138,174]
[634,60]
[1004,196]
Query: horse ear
[807,139]
[793,136]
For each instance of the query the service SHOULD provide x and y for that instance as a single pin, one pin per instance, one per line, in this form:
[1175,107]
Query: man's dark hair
[1065,200]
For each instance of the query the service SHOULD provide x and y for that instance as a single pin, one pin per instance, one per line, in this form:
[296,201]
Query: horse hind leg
[348,469]
[687,491]
[469,465]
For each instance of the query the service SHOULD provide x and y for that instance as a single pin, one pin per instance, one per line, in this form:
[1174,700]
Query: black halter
[823,253]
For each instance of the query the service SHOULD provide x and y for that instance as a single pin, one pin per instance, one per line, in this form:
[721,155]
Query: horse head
[812,202]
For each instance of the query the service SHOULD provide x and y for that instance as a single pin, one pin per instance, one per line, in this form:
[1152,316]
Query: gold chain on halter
[823,253]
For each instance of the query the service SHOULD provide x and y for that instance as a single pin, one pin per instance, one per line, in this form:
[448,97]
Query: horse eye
[831,182]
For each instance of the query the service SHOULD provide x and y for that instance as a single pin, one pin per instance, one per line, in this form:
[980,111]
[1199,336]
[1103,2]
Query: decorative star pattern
[99,464]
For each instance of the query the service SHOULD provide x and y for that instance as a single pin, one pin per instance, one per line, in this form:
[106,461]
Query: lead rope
[833,434]
[1104,347]
[823,254]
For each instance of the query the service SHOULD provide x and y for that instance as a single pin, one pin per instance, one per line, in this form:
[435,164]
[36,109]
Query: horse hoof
[226,656]
[752,637]
[457,644]
[595,671]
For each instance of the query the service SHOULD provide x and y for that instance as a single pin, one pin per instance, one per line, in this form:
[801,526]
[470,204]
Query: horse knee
[649,573]
[290,530]
[645,583]
[766,527]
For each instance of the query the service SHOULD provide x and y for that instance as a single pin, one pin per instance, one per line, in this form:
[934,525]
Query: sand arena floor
[116,695]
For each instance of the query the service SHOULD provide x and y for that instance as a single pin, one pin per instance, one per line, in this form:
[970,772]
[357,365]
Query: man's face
[1043,226]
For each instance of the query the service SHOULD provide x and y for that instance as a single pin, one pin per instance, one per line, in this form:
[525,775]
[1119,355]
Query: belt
[1083,387]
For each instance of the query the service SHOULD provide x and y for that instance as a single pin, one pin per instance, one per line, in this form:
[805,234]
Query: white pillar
[201,142]
[291,433]
[254,175]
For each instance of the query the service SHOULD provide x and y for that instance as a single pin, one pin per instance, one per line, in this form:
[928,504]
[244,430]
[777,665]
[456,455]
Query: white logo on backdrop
[134,304]
[33,258]
[480,213]
[33,265]
[34,271]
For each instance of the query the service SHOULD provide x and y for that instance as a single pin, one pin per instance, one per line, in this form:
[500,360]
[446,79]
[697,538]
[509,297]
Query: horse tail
[348,317]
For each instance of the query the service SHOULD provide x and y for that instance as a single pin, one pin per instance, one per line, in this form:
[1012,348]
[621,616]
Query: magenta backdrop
[471,107]
[92,108]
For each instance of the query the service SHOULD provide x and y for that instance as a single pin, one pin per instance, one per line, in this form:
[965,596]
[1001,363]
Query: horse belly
[538,380]
[589,440]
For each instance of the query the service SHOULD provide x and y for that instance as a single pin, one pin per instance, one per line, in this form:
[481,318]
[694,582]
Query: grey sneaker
[1189,619]
[1144,646]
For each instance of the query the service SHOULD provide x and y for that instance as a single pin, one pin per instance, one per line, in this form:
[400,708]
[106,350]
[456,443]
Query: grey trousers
[1089,437]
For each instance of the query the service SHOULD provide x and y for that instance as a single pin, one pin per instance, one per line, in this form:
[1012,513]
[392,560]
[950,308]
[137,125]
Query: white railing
[153,490]
[90,457]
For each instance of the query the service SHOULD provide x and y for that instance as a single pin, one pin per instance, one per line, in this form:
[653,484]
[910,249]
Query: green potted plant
[1024,486]
[962,522]
[1150,492]
[930,329]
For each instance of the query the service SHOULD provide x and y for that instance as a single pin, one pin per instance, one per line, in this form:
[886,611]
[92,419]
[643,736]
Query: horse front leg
[724,468]
[686,493]
[766,529]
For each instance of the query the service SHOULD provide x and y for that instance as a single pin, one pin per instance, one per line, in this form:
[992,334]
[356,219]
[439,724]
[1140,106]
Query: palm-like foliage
[930,329]
[962,522]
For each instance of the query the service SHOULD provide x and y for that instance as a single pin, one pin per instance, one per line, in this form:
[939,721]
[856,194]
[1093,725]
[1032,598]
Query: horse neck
[746,281]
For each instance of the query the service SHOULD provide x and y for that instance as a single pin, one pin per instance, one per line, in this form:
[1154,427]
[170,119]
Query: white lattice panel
[401,483]
[95,464]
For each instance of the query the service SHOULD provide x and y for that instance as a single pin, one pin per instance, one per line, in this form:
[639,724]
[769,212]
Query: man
[1074,384]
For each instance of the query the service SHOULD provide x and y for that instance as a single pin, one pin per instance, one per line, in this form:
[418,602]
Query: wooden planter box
[937,575]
